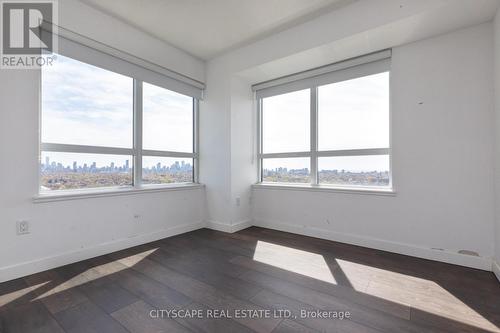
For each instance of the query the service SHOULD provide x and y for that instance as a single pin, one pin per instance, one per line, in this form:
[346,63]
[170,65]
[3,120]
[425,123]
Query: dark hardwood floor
[245,273]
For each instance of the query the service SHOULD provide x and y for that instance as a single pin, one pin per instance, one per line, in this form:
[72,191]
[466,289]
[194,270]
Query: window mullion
[314,135]
[82,149]
[196,142]
[259,140]
[137,133]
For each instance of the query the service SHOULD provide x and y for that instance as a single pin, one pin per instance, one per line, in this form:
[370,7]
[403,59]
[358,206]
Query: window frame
[313,154]
[136,152]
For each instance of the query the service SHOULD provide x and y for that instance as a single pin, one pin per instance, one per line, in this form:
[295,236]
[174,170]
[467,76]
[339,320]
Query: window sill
[111,192]
[326,188]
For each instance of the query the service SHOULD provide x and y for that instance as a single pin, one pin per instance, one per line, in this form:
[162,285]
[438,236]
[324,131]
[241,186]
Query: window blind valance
[348,69]
[90,51]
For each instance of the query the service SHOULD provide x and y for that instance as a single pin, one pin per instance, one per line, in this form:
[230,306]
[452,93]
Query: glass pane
[167,120]
[65,171]
[372,170]
[354,114]
[86,105]
[165,170]
[286,170]
[285,122]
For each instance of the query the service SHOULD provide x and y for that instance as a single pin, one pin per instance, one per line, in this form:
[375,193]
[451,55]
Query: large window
[168,132]
[332,133]
[103,129]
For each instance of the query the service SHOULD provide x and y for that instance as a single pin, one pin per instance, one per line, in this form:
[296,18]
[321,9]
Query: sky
[86,105]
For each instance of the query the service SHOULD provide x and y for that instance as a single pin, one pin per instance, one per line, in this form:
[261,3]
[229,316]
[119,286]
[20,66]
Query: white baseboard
[379,244]
[229,228]
[496,269]
[26,268]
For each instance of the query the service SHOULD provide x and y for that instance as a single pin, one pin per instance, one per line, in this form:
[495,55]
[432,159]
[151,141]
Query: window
[168,119]
[333,133]
[91,132]
[286,122]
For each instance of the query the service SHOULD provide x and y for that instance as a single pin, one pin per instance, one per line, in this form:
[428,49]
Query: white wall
[227,150]
[215,146]
[243,149]
[497,139]
[347,32]
[442,113]
[66,231]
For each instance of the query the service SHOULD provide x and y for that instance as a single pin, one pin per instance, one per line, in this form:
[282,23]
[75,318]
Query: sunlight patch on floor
[407,290]
[97,272]
[11,297]
[297,261]
[422,294]
[133,260]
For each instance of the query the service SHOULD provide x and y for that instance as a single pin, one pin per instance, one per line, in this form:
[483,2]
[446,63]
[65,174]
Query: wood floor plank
[450,324]
[290,326]
[151,291]
[56,293]
[30,317]
[199,291]
[87,317]
[136,319]
[224,243]
[206,258]
[268,299]
[108,295]
[209,325]
[400,310]
[360,314]
[210,274]
[15,292]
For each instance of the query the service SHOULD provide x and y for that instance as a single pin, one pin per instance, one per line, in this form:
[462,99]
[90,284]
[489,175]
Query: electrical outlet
[22,227]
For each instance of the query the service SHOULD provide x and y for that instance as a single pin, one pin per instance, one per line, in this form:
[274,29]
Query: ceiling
[207,28]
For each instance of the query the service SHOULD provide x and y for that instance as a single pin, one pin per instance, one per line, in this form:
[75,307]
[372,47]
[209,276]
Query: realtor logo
[23,44]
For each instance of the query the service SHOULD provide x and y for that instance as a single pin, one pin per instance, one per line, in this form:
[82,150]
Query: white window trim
[374,64]
[383,191]
[77,194]
[136,153]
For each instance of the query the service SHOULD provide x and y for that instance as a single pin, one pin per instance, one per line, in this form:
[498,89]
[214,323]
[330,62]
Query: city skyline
[58,176]
[334,177]
[56,166]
